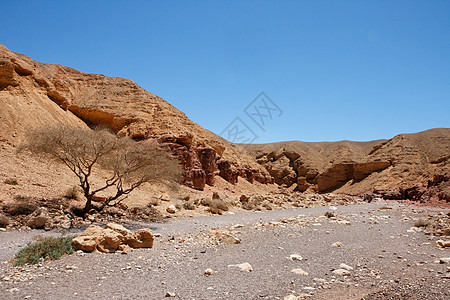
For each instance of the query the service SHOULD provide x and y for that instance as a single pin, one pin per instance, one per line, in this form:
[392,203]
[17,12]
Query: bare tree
[127,164]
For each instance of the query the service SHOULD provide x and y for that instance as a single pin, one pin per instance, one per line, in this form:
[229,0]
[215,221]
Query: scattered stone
[346,267]
[344,222]
[295,257]
[171,209]
[245,267]
[337,244]
[443,244]
[244,198]
[444,260]
[236,226]
[341,272]
[164,197]
[225,237]
[171,294]
[299,272]
[209,272]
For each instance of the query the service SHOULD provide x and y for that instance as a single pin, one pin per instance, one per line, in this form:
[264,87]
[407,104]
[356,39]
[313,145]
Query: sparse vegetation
[129,164]
[422,223]
[215,206]
[330,214]
[4,221]
[153,202]
[72,193]
[48,248]
[189,205]
[23,205]
[266,204]
[178,205]
[11,181]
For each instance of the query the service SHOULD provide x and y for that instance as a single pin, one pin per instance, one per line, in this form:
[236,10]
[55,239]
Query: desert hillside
[408,166]
[34,94]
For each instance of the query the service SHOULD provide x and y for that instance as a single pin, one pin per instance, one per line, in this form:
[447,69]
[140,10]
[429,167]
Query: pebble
[295,257]
[209,271]
[341,272]
[337,244]
[345,267]
[170,294]
[245,267]
[299,272]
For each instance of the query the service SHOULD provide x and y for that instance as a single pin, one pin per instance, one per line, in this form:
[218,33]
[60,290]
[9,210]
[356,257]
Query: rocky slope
[408,166]
[34,94]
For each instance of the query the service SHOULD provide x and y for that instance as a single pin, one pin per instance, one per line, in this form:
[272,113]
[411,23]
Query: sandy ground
[389,260]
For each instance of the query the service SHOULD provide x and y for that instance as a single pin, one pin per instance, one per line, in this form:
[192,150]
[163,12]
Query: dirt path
[385,258]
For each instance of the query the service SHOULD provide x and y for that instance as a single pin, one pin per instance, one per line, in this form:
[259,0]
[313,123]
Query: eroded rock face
[7,74]
[409,166]
[61,95]
[112,238]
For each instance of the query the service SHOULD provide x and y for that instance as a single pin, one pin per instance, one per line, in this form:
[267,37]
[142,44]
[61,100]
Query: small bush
[178,205]
[189,205]
[215,206]
[48,248]
[23,206]
[4,221]
[329,214]
[11,181]
[266,205]
[422,223]
[153,202]
[72,193]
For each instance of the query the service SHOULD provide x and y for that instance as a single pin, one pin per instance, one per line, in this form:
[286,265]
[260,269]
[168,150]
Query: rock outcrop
[408,166]
[112,238]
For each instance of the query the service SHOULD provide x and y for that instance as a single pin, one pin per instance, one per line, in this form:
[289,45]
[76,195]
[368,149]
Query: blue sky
[356,70]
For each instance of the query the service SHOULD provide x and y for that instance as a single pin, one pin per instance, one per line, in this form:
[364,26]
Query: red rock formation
[60,94]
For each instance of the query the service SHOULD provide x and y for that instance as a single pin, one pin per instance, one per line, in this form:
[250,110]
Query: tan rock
[225,237]
[171,209]
[144,239]
[127,235]
[109,241]
[92,230]
[39,218]
[85,243]
[443,244]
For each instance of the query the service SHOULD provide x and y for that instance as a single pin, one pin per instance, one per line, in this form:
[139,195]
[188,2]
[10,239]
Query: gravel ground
[385,258]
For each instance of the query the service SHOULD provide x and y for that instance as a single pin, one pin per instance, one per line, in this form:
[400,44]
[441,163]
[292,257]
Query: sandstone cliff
[35,94]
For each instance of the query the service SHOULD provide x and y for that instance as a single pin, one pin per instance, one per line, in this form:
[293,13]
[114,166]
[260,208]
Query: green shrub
[44,248]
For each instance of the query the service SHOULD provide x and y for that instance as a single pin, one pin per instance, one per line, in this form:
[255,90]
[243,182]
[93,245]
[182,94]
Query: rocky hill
[35,94]
[32,94]
[408,166]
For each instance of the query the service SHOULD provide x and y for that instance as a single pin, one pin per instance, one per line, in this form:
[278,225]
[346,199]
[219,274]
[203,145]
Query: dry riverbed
[364,251]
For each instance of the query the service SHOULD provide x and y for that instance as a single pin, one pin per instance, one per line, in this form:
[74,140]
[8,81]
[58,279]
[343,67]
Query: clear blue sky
[356,70]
